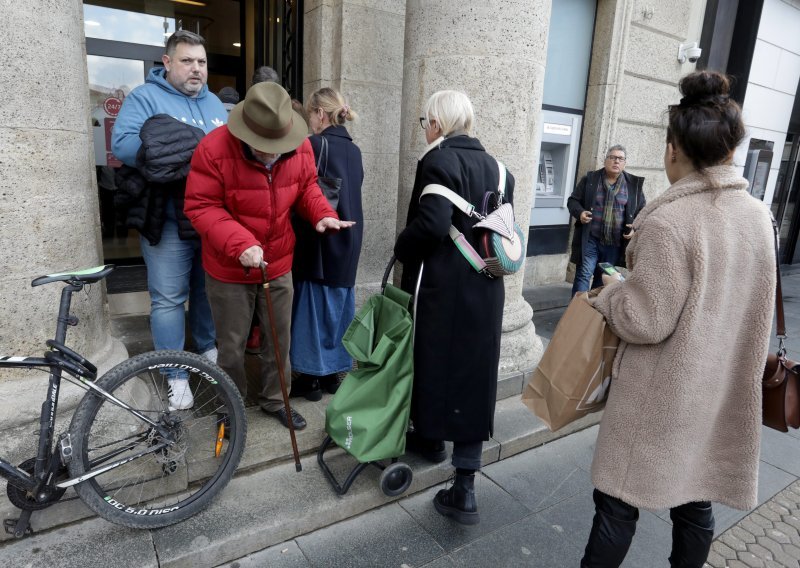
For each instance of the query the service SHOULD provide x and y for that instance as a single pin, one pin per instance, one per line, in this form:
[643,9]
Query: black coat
[582,199]
[163,164]
[459,312]
[332,260]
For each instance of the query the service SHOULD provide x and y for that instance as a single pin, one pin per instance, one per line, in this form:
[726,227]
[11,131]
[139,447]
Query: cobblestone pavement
[768,537]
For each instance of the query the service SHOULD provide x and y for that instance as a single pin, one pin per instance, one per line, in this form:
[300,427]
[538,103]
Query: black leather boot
[431,450]
[458,502]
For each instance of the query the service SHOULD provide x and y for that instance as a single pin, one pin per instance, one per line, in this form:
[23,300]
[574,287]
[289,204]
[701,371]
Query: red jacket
[234,202]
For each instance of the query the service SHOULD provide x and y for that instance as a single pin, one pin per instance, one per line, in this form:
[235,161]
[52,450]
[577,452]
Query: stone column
[495,51]
[49,220]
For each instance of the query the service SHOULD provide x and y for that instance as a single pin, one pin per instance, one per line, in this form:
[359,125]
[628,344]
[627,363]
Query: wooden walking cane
[279,362]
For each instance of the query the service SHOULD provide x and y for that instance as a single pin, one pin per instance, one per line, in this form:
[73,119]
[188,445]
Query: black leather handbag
[330,186]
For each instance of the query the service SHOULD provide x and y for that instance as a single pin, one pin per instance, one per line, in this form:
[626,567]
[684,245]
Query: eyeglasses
[423,122]
[616,158]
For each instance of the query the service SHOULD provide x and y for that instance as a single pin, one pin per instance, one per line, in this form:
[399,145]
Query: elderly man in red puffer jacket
[246,179]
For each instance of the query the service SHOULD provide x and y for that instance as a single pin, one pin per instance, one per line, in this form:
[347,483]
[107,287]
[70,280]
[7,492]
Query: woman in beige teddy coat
[683,419]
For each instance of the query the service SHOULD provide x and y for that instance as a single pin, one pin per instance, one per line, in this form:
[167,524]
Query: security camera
[689,52]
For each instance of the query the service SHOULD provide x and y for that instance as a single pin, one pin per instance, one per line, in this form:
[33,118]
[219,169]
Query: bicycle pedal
[19,527]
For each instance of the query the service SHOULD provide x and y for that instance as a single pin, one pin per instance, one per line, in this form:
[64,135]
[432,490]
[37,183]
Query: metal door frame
[282,39]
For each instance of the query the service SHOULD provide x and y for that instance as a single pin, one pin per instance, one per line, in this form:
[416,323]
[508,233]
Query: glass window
[121,25]
[569,48]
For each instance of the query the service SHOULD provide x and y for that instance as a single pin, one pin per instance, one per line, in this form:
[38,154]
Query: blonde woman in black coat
[324,268]
[459,311]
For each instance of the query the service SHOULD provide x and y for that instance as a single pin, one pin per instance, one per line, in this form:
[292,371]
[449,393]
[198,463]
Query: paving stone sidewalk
[769,537]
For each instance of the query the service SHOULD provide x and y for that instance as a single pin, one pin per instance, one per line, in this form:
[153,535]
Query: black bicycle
[130,455]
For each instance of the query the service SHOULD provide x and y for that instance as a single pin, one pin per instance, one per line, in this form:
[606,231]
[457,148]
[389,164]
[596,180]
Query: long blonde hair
[332,104]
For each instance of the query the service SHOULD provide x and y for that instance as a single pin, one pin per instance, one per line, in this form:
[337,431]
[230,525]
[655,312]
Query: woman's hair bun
[704,87]
[707,124]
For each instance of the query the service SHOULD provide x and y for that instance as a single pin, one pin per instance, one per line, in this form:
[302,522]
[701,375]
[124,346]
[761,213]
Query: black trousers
[614,525]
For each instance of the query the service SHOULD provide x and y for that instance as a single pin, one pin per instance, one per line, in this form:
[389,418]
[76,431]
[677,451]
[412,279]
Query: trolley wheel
[395,479]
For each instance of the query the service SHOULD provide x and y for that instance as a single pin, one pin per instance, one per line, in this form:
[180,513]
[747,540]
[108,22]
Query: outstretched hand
[332,224]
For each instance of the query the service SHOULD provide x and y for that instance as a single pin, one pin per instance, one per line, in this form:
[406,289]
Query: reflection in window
[121,25]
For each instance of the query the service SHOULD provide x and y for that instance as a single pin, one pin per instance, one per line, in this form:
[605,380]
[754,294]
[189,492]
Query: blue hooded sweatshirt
[157,96]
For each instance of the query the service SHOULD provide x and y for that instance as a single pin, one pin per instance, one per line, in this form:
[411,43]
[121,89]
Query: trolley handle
[387,271]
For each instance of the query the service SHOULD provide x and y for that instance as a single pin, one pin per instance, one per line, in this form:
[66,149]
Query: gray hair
[183,36]
[452,111]
[619,147]
[266,74]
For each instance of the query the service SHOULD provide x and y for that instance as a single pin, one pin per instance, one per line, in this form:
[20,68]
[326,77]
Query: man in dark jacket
[604,204]
[156,132]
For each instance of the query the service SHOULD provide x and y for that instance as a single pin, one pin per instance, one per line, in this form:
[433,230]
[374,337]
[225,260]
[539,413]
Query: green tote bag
[368,416]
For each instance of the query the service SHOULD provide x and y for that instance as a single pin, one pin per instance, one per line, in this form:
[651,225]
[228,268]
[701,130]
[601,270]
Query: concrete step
[266,503]
[549,296]
[267,444]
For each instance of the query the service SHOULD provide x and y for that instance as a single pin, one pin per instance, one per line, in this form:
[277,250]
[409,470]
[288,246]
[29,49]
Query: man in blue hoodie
[170,247]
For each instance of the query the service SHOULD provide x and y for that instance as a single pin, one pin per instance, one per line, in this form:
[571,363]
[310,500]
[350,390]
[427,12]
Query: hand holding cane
[279,362]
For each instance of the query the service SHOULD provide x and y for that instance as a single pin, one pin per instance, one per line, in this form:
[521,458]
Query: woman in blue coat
[324,269]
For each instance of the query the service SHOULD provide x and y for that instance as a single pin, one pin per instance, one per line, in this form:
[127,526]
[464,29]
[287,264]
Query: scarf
[609,210]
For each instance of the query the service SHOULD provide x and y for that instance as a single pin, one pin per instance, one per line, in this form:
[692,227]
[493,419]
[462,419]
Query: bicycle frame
[59,359]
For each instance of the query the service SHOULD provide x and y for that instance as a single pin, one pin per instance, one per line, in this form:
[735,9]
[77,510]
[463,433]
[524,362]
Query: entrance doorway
[125,40]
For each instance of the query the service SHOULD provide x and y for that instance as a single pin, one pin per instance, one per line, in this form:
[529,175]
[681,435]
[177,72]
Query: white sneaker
[180,395]
[211,354]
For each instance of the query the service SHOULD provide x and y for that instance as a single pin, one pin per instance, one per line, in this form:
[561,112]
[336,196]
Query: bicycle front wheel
[159,465]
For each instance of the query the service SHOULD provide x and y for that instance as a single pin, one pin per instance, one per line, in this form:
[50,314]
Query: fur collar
[715,178]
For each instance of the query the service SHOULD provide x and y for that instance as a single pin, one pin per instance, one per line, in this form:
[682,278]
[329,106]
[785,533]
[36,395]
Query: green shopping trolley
[368,416]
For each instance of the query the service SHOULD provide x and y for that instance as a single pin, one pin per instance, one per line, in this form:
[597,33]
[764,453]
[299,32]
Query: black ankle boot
[459,502]
[431,450]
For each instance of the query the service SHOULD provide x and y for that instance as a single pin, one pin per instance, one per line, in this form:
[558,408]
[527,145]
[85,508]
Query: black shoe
[307,386]
[431,450]
[297,421]
[458,502]
[330,382]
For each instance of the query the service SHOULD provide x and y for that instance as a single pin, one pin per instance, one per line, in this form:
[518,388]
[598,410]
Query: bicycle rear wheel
[183,461]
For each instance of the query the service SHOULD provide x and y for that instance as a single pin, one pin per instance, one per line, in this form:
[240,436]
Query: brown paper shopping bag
[573,377]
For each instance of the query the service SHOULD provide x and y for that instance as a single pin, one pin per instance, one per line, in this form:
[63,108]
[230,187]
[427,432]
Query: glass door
[111,79]
[124,41]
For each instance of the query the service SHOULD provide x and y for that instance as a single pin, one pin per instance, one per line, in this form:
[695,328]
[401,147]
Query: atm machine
[558,157]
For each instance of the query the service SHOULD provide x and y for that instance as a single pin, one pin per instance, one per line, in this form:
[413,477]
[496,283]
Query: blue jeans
[174,275]
[593,253]
[467,455]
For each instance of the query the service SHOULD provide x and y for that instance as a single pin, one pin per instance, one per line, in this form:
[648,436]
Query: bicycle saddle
[84,275]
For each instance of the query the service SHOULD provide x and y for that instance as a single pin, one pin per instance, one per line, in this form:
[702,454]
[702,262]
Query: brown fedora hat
[265,120]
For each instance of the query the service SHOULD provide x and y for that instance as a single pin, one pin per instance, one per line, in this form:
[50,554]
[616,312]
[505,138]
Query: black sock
[464,471]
